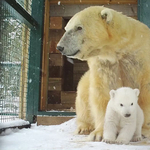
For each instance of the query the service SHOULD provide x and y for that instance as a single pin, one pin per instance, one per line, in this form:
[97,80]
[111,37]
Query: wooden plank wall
[51,120]
[60,81]
[68,11]
[93,2]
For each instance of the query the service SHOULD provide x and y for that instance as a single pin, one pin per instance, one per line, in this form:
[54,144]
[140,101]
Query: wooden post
[45,58]
[24,69]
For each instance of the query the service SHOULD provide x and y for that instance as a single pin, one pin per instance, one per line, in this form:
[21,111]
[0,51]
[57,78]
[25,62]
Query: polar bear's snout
[69,44]
[60,48]
[127,115]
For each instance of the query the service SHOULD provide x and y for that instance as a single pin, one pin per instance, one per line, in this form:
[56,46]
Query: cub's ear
[137,92]
[107,15]
[112,94]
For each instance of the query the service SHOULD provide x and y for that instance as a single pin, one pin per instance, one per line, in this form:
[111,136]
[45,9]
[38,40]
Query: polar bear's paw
[136,138]
[95,136]
[84,130]
[121,141]
[109,141]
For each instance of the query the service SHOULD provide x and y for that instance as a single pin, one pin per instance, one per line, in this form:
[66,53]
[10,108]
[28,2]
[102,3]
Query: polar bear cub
[124,117]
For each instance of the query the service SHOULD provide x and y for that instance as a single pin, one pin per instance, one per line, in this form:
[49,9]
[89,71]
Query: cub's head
[124,100]
[86,33]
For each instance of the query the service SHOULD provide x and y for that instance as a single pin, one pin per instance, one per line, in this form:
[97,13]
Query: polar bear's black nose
[60,48]
[127,115]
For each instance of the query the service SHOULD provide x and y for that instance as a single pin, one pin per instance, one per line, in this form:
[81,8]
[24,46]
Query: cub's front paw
[137,138]
[95,135]
[121,141]
[109,141]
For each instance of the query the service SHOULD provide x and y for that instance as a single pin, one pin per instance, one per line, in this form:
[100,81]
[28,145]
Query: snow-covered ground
[13,123]
[58,137]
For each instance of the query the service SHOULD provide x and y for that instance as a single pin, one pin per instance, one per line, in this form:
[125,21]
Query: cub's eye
[131,104]
[121,105]
[79,28]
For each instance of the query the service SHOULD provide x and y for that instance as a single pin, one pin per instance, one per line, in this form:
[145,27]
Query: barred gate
[14,45]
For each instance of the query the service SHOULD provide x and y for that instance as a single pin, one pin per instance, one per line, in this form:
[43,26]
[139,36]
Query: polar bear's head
[124,100]
[87,34]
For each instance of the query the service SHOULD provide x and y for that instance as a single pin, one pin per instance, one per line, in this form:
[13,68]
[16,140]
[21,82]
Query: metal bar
[144,11]
[8,114]
[23,15]
[35,49]
[139,8]
[19,127]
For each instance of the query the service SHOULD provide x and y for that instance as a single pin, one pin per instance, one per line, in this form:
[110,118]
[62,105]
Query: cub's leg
[110,132]
[98,103]
[137,135]
[84,121]
[126,133]
[110,128]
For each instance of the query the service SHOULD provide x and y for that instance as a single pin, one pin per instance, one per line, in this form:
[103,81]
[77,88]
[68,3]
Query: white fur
[115,57]
[106,13]
[123,101]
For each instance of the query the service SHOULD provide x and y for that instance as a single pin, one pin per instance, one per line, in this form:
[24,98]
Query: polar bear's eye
[79,28]
[121,105]
[131,104]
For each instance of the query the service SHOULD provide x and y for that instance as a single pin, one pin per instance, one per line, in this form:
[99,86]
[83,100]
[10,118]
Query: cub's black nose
[60,48]
[127,115]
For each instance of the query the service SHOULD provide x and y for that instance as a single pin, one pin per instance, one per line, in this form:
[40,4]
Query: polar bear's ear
[137,92]
[107,15]
[112,94]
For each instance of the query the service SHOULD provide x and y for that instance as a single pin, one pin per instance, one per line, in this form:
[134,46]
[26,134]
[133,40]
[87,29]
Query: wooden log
[54,37]
[55,71]
[54,97]
[77,77]
[52,47]
[61,107]
[57,23]
[68,75]
[68,97]
[55,84]
[50,120]
[56,60]
[128,9]
[93,2]
[80,68]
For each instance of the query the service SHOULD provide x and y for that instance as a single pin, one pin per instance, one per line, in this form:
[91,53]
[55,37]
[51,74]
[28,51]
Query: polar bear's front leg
[126,134]
[138,135]
[98,103]
[110,128]
[84,121]
[110,132]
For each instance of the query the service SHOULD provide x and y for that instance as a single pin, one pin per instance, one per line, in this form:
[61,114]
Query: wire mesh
[26,4]
[14,44]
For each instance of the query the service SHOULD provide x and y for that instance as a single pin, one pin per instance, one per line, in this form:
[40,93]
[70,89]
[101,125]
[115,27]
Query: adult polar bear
[117,49]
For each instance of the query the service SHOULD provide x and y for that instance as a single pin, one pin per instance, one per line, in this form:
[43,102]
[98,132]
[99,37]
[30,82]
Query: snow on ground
[16,122]
[57,137]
